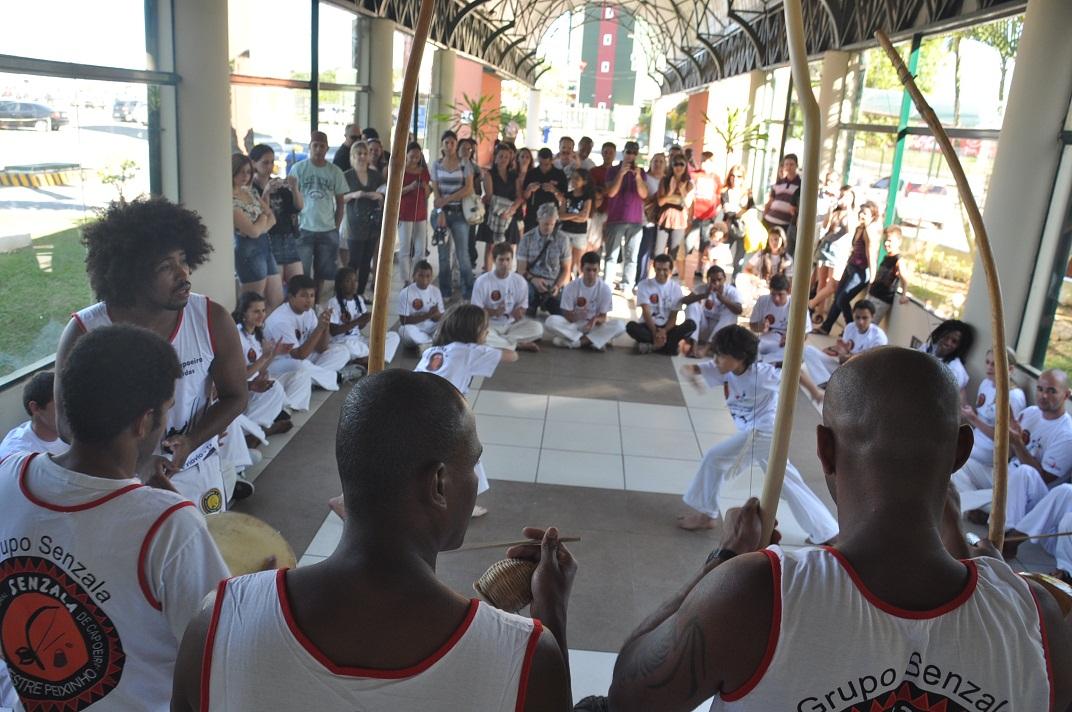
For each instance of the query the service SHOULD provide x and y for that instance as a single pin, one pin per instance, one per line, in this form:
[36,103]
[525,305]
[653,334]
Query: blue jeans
[319,250]
[853,280]
[459,230]
[614,235]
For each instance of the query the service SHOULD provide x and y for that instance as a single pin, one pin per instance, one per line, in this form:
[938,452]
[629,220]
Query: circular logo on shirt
[61,649]
[496,295]
[1025,437]
[979,403]
[251,355]
[654,299]
[851,344]
[769,319]
[581,301]
[297,334]
[435,362]
[418,303]
[212,501]
[709,304]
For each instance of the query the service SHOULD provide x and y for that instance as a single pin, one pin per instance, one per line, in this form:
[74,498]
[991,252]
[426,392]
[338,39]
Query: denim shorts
[253,259]
[285,249]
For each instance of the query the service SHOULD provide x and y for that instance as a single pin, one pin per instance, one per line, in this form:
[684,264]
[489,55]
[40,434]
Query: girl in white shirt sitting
[349,315]
[267,395]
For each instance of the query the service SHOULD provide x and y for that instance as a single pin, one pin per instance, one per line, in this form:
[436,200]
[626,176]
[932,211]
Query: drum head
[1061,591]
[246,542]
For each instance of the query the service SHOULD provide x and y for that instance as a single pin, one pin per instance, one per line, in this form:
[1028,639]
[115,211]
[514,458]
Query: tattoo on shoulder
[677,650]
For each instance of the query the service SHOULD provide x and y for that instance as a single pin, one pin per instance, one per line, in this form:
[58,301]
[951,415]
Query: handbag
[473,209]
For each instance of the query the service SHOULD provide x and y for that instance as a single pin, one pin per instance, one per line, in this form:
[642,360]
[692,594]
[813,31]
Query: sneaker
[564,343]
[243,489]
[352,372]
[642,348]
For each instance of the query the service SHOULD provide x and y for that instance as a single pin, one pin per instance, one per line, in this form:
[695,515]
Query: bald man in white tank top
[371,627]
[888,618]
[139,260]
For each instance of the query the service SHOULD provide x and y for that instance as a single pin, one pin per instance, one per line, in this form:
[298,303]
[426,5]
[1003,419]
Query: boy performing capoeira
[751,391]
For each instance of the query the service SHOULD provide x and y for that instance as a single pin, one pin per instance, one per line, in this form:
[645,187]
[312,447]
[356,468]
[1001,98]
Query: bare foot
[694,521]
[684,347]
[528,346]
[336,505]
[479,511]
[277,428]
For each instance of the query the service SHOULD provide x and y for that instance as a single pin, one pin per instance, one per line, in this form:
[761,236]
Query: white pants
[233,448]
[736,455]
[481,479]
[599,337]
[1052,514]
[411,238]
[771,348]
[707,328]
[1024,490]
[359,347]
[508,336]
[297,387]
[322,368]
[821,366]
[8,698]
[203,485]
[416,334]
[263,408]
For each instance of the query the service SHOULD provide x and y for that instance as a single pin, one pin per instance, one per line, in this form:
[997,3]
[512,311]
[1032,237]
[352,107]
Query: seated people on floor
[100,574]
[900,610]
[983,415]
[892,276]
[372,627]
[504,295]
[420,307]
[268,396]
[349,315]
[585,304]
[711,306]
[949,343]
[1040,446]
[770,319]
[750,388]
[38,434]
[139,258]
[659,299]
[543,259]
[1051,516]
[859,336]
[305,337]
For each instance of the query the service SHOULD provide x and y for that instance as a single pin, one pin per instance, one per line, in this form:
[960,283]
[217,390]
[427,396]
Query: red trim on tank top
[73,508]
[81,324]
[954,603]
[526,667]
[772,636]
[1045,646]
[208,321]
[143,582]
[210,643]
[319,656]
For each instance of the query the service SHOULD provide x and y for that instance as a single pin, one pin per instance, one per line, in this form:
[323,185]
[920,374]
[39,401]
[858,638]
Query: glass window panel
[276,116]
[67,148]
[337,48]
[269,38]
[109,33]
[876,98]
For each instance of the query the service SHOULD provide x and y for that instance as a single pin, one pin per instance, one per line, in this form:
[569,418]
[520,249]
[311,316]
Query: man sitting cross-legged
[887,618]
[712,306]
[1040,443]
[100,574]
[859,336]
[751,392]
[309,336]
[1053,514]
[372,627]
[659,299]
[585,305]
[544,259]
[420,307]
[504,295]
[38,434]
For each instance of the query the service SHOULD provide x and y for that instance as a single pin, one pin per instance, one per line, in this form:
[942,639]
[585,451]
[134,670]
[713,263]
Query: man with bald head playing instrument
[885,619]
[371,627]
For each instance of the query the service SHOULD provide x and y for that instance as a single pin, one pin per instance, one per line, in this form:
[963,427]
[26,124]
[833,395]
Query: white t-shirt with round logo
[711,307]
[662,299]
[752,397]
[860,342]
[986,409]
[22,438]
[460,363]
[414,300]
[1048,441]
[491,292]
[591,301]
[777,316]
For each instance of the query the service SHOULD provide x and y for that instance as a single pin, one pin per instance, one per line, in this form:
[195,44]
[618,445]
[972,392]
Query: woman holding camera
[364,212]
[285,200]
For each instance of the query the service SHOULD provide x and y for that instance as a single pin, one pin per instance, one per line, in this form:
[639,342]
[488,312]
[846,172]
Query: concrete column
[758,108]
[657,133]
[204,145]
[534,136]
[381,76]
[1024,170]
[835,71]
[440,98]
[695,126]
[490,86]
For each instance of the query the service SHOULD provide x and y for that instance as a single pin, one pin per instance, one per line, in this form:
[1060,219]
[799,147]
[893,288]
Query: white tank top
[79,622]
[259,660]
[836,647]
[193,343]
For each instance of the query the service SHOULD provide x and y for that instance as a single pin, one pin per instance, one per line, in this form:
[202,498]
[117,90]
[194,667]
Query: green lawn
[42,285]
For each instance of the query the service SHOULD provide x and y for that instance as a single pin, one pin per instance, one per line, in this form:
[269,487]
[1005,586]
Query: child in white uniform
[38,434]
[305,337]
[420,307]
[770,319]
[859,336]
[949,343]
[751,391]
[349,315]
[504,295]
[712,306]
[585,304]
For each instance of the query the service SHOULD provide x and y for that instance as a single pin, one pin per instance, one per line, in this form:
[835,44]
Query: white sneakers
[564,343]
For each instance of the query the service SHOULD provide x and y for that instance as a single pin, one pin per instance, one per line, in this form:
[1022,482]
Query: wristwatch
[721,555]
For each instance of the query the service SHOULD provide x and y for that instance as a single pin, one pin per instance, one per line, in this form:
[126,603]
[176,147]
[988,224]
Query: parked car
[934,203]
[25,114]
[122,109]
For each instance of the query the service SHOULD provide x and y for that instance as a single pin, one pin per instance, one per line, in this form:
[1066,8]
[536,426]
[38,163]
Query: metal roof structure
[691,43]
